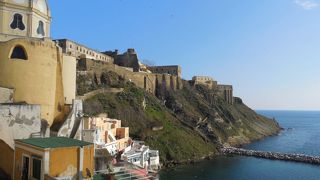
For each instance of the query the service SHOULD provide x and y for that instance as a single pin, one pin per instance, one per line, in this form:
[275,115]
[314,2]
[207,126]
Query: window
[19,53]
[40,29]
[36,168]
[17,22]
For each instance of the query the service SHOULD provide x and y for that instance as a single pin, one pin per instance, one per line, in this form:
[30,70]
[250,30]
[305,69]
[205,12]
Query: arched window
[17,22]
[40,29]
[19,52]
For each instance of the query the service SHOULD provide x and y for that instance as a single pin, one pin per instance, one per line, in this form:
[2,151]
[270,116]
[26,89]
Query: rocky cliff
[187,124]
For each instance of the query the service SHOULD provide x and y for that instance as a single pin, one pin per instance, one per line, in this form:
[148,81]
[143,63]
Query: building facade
[206,81]
[106,133]
[79,51]
[31,63]
[53,158]
[141,155]
[24,18]
[17,121]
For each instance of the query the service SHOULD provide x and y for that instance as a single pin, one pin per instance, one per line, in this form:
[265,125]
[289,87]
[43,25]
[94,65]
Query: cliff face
[184,125]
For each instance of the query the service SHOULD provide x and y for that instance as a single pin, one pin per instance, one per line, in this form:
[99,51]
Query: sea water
[301,135]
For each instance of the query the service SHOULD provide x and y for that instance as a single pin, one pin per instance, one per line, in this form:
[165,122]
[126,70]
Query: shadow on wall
[6,161]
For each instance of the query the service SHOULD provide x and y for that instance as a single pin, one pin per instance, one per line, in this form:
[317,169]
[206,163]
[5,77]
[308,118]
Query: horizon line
[311,110]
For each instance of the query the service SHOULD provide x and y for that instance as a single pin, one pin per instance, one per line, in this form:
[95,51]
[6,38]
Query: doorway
[25,168]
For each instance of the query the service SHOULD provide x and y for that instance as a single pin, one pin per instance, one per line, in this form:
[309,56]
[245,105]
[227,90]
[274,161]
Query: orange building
[53,158]
[106,133]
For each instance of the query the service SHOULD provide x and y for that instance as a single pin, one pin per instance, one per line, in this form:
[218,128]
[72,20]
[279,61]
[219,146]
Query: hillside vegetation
[187,124]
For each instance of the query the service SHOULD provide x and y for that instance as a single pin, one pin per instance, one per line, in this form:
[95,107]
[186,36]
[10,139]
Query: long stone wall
[273,155]
[173,70]
[149,81]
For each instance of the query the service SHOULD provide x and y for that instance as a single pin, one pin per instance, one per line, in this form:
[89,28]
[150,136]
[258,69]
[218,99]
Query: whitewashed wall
[19,122]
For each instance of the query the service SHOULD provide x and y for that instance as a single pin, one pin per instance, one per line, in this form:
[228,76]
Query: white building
[139,154]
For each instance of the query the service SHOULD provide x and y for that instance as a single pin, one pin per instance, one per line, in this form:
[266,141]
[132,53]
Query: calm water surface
[301,135]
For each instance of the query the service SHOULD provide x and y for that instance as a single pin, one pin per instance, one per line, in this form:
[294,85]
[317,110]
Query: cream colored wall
[35,23]
[7,20]
[6,95]
[1,22]
[106,126]
[24,3]
[69,78]
[31,16]
[122,143]
[36,80]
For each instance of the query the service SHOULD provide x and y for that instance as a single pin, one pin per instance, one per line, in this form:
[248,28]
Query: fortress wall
[173,70]
[148,81]
[173,83]
[128,60]
[206,81]
[226,92]
[85,64]
[167,81]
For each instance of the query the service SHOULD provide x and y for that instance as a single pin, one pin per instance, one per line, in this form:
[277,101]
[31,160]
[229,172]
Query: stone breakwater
[272,155]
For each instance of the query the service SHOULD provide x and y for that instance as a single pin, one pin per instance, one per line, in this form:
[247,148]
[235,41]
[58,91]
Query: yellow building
[53,158]
[31,63]
[24,18]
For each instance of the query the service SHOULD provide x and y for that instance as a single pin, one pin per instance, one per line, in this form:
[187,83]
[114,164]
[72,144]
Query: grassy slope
[176,142]
[195,121]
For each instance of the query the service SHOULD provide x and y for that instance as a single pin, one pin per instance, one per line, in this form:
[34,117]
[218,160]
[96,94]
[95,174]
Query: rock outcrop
[196,121]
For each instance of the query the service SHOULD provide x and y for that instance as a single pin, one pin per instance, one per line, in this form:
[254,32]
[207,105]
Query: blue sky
[268,49]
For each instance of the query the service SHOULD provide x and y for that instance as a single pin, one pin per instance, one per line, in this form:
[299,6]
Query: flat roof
[54,142]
